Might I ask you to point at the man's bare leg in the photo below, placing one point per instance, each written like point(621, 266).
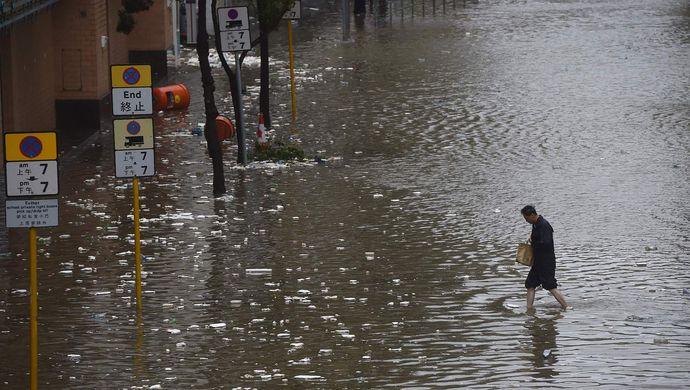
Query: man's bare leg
point(559, 297)
point(530, 299)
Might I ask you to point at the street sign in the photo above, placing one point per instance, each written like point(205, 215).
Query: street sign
point(134, 133)
point(31, 213)
point(235, 40)
point(130, 76)
point(233, 18)
point(30, 146)
point(295, 12)
point(135, 163)
point(132, 101)
point(31, 178)
point(234, 29)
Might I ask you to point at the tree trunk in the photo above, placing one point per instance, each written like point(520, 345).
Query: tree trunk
point(233, 83)
point(264, 100)
point(210, 132)
point(360, 7)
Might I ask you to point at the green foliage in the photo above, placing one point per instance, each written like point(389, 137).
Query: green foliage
point(271, 12)
point(125, 22)
point(134, 6)
point(277, 152)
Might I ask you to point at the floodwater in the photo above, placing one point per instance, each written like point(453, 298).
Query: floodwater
point(391, 264)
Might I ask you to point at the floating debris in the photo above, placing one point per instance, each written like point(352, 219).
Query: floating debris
point(217, 325)
point(309, 378)
point(259, 271)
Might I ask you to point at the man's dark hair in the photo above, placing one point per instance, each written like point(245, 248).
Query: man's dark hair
point(528, 210)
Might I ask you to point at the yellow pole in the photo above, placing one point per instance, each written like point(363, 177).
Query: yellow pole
point(137, 243)
point(292, 72)
point(33, 275)
point(138, 353)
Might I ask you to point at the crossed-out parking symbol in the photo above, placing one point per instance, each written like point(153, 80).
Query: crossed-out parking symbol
point(131, 75)
point(30, 146)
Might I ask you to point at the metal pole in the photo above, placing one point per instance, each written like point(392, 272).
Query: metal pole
point(423, 8)
point(412, 9)
point(292, 73)
point(345, 5)
point(444, 7)
point(137, 243)
point(372, 9)
point(33, 286)
point(176, 32)
point(240, 129)
point(390, 11)
point(402, 11)
point(433, 6)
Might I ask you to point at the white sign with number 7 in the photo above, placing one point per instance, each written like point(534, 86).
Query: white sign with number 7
point(238, 40)
point(135, 163)
point(295, 12)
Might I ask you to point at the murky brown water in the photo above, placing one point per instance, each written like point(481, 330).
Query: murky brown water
point(446, 128)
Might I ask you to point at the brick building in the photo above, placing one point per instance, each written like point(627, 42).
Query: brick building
point(55, 57)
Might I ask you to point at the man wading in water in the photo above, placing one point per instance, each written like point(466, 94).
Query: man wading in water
point(543, 271)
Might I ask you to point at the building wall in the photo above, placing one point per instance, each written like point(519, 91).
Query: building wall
point(27, 76)
point(117, 41)
point(55, 64)
point(80, 60)
point(153, 29)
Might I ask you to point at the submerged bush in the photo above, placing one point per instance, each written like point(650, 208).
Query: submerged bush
point(277, 152)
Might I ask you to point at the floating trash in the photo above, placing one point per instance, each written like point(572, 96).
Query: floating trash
point(309, 378)
point(259, 271)
point(217, 325)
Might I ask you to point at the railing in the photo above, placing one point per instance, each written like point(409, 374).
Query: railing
point(12, 11)
point(409, 9)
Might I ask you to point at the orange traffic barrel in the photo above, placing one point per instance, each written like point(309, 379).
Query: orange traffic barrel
point(224, 128)
point(171, 97)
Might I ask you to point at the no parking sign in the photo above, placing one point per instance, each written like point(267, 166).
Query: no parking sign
point(31, 170)
point(133, 98)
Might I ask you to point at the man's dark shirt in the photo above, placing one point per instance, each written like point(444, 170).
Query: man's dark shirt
point(542, 242)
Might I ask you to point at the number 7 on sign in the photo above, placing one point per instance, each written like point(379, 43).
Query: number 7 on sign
point(235, 40)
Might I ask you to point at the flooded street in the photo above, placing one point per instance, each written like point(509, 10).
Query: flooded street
point(391, 263)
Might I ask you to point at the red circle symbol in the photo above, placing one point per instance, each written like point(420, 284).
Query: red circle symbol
point(131, 75)
point(30, 146)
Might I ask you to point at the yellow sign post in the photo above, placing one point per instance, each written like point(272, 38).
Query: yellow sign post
point(133, 138)
point(137, 242)
point(294, 13)
point(31, 171)
point(292, 72)
point(33, 285)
